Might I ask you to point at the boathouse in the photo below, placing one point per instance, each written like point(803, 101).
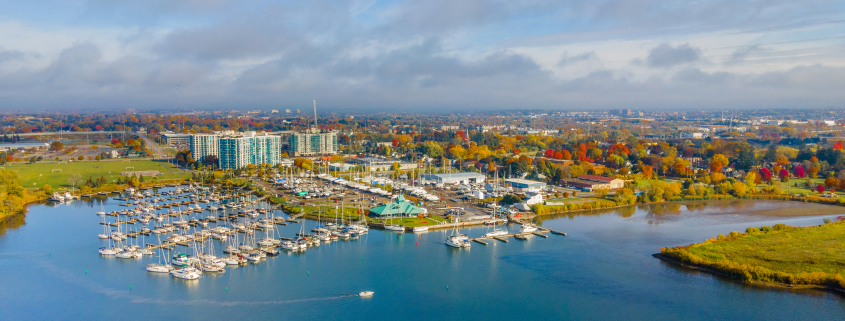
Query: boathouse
point(401, 207)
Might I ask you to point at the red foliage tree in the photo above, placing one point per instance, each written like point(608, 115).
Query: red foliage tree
point(765, 174)
point(820, 188)
point(549, 153)
point(783, 173)
point(838, 145)
point(558, 155)
point(566, 154)
point(395, 142)
point(798, 171)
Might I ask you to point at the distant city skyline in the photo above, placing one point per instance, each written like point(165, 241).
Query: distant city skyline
point(421, 56)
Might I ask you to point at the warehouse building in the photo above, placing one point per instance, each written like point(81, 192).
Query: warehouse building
point(595, 182)
point(455, 178)
point(524, 185)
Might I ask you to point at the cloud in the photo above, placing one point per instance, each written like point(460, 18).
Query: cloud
point(665, 56)
point(566, 60)
point(741, 53)
point(412, 55)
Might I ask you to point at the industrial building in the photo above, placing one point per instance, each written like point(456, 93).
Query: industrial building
point(455, 178)
point(524, 185)
point(595, 182)
point(176, 139)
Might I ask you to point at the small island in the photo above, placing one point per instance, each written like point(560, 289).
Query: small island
point(779, 255)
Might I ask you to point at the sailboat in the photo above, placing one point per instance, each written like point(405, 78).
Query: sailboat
point(457, 240)
point(105, 234)
point(102, 211)
point(158, 267)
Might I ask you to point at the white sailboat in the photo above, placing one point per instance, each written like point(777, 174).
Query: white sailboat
point(457, 240)
point(159, 267)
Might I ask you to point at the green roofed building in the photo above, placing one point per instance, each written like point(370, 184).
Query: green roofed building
point(401, 207)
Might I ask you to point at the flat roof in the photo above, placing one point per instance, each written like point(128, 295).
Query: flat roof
point(23, 145)
point(523, 181)
point(176, 135)
point(457, 175)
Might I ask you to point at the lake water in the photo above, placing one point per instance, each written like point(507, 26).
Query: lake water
point(50, 269)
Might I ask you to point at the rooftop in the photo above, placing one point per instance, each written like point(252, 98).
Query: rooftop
point(458, 175)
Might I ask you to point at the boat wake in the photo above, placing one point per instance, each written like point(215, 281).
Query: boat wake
point(125, 294)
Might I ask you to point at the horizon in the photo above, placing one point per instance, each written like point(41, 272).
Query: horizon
point(431, 57)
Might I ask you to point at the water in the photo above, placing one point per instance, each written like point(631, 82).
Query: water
point(602, 270)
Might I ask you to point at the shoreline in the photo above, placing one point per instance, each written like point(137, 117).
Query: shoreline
point(717, 272)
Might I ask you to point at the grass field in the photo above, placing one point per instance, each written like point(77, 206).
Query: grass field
point(38, 174)
point(412, 222)
point(816, 249)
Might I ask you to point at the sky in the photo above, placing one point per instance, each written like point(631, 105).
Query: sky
point(433, 55)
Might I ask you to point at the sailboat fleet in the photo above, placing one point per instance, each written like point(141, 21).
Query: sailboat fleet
point(178, 222)
point(176, 219)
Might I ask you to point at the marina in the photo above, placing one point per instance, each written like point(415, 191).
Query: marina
point(325, 281)
point(242, 227)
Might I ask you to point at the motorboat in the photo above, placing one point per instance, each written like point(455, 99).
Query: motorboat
point(187, 273)
point(527, 228)
point(128, 255)
point(496, 232)
point(159, 268)
point(108, 251)
point(420, 229)
point(366, 294)
point(290, 246)
point(57, 197)
point(395, 228)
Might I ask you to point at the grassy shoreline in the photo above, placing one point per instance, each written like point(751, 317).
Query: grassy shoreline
point(779, 256)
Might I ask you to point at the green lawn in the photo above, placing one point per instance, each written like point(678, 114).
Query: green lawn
point(562, 199)
point(38, 174)
point(413, 222)
point(815, 249)
point(327, 211)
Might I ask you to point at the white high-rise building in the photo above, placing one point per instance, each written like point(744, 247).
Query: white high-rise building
point(203, 145)
point(307, 144)
point(237, 150)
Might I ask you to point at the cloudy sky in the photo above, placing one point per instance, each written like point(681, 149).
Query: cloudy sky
point(432, 55)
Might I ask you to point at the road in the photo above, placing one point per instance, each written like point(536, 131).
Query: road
point(157, 151)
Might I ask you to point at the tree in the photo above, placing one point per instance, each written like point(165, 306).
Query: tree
point(831, 182)
point(74, 180)
point(814, 171)
point(718, 161)
point(771, 153)
point(784, 175)
point(57, 145)
point(81, 157)
point(625, 196)
point(47, 189)
point(716, 178)
point(211, 161)
point(765, 174)
point(798, 171)
point(745, 156)
point(510, 199)
point(820, 188)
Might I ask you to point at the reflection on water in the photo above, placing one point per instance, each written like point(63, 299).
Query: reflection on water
point(12, 221)
point(708, 212)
